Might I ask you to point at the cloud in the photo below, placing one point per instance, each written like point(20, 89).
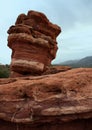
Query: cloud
point(69, 12)
point(73, 16)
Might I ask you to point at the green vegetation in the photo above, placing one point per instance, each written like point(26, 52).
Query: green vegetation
point(4, 71)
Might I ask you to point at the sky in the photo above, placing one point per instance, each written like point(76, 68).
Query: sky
point(73, 16)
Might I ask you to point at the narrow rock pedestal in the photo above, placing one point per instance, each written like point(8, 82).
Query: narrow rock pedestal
point(33, 43)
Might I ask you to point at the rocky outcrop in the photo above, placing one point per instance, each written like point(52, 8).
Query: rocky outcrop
point(52, 97)
point(54, 101)
point(53, 69)
point(33, 43)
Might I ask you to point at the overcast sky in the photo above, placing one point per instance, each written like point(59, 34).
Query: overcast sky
point(73, 16)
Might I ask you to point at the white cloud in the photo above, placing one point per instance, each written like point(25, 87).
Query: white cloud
point(73, 16)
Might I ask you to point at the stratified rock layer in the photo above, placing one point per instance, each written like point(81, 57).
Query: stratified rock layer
point(54, 102)
point(33, 43)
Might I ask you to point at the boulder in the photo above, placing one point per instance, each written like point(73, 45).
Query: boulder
point(54, 102)
point(33, 43)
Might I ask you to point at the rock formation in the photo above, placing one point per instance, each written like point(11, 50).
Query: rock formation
point(33, 43)
point(48, 99)
point(49, 102)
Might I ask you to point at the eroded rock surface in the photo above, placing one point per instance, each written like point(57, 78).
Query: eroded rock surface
point(53, 69)
point(54, 101)
point(33, 43)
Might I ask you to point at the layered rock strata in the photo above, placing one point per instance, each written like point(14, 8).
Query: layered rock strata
point(33, 43)
point(54, 102)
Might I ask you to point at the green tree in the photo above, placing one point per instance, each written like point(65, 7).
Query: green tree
point(4, 71)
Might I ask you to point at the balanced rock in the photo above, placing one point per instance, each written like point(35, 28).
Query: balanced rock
point(33, 43)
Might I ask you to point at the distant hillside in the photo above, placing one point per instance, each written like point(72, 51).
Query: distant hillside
point(69, 62)
point(85, 62)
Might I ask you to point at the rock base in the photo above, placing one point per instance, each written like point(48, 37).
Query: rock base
point(61, 101)
point(73, 125)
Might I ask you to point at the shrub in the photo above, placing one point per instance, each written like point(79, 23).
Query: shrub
point(4, 71)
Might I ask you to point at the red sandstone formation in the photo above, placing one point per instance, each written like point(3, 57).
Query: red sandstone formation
point(54, 100)
point(56, 69)
point(33, 43)
point(48, 102)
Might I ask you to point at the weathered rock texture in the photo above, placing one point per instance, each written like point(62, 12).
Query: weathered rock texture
point(53, 69)
point(33, 43)
point(54, 102)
